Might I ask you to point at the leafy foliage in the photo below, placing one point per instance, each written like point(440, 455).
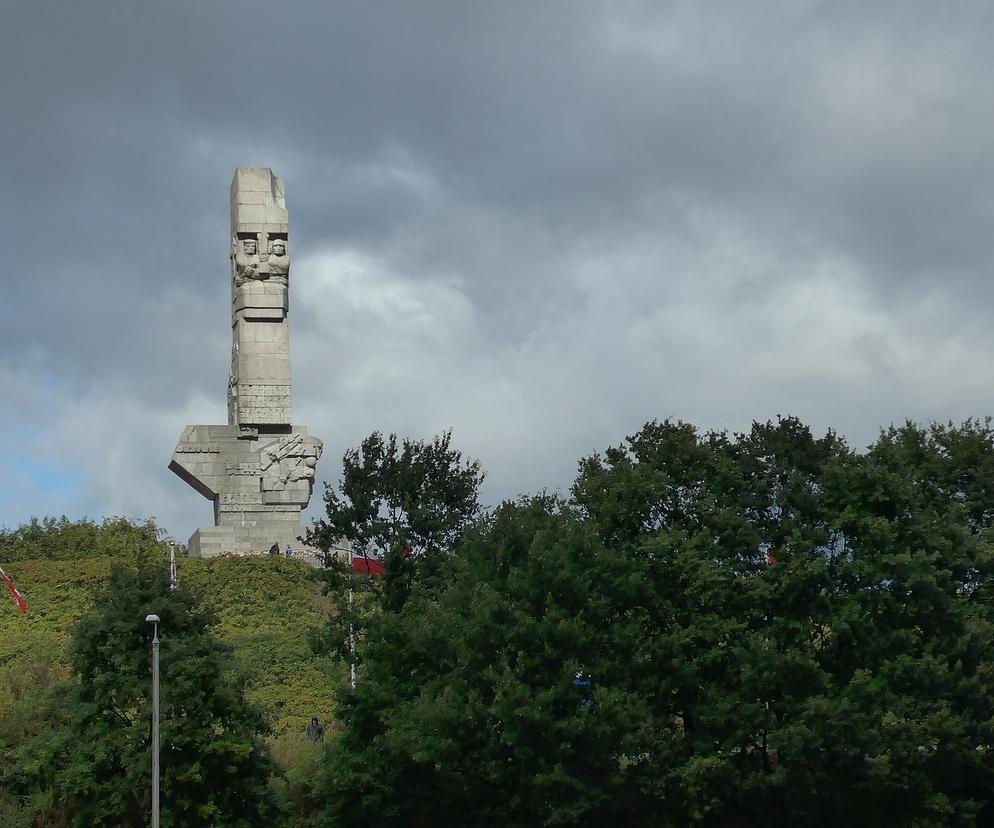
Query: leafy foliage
point(269, 610)
point(407, 502)
point(774, 629)
point(95, 761)
point(397, 498)
point(266, 609)
point(468, 711)
point(62, 539)
point(716, 630)
point(815, 619)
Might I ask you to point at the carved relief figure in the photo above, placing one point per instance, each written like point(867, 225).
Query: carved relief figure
point(279, 260)
point(232, 397)
point(233, 384)
point(245, 253)
point(252, 263)
point(289, 460)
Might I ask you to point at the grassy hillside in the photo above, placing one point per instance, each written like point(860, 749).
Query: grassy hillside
point(266, 608)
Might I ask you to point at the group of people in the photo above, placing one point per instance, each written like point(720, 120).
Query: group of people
point(275, 549)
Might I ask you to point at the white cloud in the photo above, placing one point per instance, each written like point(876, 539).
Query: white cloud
point(694, 211)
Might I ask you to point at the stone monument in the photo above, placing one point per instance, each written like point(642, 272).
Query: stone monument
point(258, 470)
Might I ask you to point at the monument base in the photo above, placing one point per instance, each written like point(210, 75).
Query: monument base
point(212, 541)
point(259, 480)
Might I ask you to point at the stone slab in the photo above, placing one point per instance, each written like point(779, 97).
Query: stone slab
point(256, 314)
point(269, 299)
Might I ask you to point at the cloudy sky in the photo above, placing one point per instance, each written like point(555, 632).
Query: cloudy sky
point(539, 224)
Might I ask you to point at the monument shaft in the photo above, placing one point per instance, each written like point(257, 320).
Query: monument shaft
point(259, 387)
point(259, 468)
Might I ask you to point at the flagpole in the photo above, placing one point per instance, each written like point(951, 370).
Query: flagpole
point(154, 619)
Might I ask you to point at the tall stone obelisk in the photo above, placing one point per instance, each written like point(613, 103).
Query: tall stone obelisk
point(259, 468)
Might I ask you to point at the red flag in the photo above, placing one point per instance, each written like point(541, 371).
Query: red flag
point(22, 605)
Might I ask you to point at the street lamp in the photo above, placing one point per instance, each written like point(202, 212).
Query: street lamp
point(154, 619)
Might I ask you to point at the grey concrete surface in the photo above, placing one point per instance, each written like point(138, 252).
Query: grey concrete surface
point(258, 470)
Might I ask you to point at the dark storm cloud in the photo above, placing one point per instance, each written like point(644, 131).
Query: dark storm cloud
point(541, 224)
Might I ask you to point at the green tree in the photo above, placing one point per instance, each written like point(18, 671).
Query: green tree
point(776, 630)
point(403, 502)
point(93, 765)
point(470, 710)
point(406, 502)
point(814, 619)
point(64, 539)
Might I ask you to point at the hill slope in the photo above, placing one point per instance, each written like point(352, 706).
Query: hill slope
point(267, 608)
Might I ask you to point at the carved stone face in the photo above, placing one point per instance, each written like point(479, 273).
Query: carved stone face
point(279, 247)
point(249, 247)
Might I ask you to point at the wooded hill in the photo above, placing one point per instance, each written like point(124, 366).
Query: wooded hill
point(267, 610)
point(711, 629)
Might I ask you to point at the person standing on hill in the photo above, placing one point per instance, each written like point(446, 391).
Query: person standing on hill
point(315, 731)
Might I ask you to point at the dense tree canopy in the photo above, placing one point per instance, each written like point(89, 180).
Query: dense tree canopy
point(467, 711)
point(712, 629)
point(765, 628)
point(64, 539)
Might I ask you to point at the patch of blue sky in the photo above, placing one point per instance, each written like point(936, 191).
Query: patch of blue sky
point(29, 486)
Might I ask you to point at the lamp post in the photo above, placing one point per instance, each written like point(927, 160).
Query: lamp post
point(154, 619)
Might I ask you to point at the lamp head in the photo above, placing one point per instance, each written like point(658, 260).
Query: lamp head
point(152, 618)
